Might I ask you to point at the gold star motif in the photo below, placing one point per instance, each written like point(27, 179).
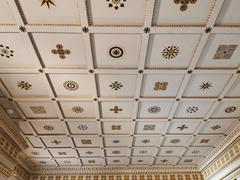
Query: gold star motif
point(48, 3)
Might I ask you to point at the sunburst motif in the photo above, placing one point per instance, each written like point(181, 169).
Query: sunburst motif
point(205, 85)
point(170, 52)
point(48, 3)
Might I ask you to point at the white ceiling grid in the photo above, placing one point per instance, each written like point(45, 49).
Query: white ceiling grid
point(126, 82)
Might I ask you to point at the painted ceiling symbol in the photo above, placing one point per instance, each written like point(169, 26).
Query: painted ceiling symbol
point(204, 140)
point(116, 85)
point(24, 85)
point(116, 3)
point(35, 153)
point(154, 109)
point(175, 141)
point(116, 52)
point(149, 127)
point(230, 109)
point(48, 128)
point(77, 109)
point(143, 152)
point(195, 152)
point(116, 141)
point(56, 142)
point(115, 109)
point(70, 85)
point(184, 3)
point(116, 161)
point(139, 160)
point(170, 52)
point(89, 152)
point(160, 86)
point(188, 160)
point(169, 152)
point(164, 160)
point(86, 141)
point(82, 127)
point(5, 51)
point(182, 127)
point(215, 127)
point(145, 141)
point(225, 51)
point(205, 85)
point(38, 109)
point(61, 51)
point(192, 109)
point(62, 153)
point(116, 127)
point(116, 152)
point(48, 3)
point(91, 161)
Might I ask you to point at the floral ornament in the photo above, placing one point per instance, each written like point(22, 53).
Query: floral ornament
point(205, 85)
point(192, 109)
point(116, 85)
point(116, 3)
point(60, 51)
point(170, 52)
point(5, 51)
point(24, 85)
point(184, 3)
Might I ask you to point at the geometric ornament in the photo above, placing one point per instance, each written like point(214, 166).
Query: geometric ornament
point(24, 85)
point(160, 86)
point(60, 51)
point(116, 3)
point(184, 3)
point(192, 109)
point(224, 51)
point(70, 85)
point(5, 51)
point(170, 52)
point(48, 3)
point(182, 127)
point(116, 52)
point(230, 109)
point(116, 85)
point(38, 109)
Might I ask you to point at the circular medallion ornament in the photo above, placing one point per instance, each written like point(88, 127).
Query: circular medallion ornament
point(230, 109)
point(48, 128)
point(116, 52)
point(70, 85)
point(154, 109)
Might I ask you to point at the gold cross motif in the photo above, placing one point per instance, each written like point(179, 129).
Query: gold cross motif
point(115, 109)
point(182, 127)
point(56, 142)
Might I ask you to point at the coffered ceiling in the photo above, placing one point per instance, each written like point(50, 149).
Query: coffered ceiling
point(120, 82)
